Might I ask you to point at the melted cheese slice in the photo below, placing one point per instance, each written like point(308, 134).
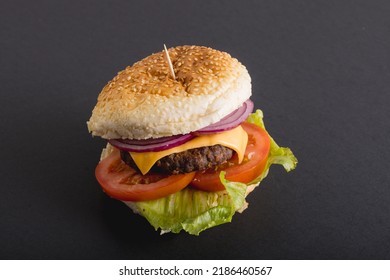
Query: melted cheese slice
point(235, 139)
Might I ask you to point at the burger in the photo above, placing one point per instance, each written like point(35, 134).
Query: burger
point(184, 143)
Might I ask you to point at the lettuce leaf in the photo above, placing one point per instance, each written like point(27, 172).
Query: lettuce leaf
point(194, 210)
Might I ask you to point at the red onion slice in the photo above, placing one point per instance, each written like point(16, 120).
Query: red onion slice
point(147, 142)
point(150, 145)
point(231, 121)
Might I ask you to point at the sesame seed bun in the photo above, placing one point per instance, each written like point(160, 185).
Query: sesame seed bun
point(144, 101)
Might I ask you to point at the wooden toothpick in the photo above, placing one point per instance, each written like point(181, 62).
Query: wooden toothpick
point(169, 62)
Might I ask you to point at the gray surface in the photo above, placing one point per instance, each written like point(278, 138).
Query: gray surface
point(320, 72)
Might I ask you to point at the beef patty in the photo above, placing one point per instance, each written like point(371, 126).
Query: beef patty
point(188, 161)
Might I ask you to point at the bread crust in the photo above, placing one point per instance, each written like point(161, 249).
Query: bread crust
point(144, 101)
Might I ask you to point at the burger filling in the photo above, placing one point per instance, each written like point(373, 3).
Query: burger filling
point(187, 161)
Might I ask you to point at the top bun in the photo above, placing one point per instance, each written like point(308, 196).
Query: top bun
point(144, 101)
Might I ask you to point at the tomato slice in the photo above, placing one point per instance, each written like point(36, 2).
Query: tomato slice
point(122, 182)
point(250, 168)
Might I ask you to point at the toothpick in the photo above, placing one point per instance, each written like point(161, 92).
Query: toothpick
point(169, 63)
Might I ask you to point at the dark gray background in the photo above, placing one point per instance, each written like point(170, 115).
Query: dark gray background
point(321, 74)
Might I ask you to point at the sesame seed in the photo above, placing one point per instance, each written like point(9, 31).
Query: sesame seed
point(199, 70)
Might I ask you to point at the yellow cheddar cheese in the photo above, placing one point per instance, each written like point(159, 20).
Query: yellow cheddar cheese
point(235, 139)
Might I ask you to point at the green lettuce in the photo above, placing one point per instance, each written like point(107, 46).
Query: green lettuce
point(194, 210)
